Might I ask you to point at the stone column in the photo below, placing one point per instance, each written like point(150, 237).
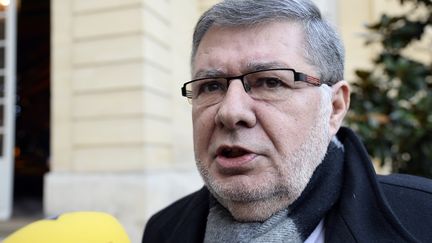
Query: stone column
point(121, 133)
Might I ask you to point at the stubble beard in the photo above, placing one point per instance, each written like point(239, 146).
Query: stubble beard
point(258, 202)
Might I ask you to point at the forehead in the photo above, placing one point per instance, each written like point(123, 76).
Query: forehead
point(234, 50)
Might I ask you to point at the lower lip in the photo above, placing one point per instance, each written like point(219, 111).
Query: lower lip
point(236, 162)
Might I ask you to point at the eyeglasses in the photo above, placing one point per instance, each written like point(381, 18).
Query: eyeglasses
point(270, 85)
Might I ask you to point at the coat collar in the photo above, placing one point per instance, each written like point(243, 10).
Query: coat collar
point(362, 213)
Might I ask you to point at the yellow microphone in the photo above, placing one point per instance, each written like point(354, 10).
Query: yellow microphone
point(77, 227)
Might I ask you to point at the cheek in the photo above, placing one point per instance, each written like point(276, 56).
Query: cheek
point(287, 125)
point(203, 125)
point(286, 131)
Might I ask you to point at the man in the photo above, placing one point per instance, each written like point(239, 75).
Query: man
point(268, 100)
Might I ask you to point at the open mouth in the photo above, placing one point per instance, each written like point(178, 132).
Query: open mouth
point(233, 159)
point(231, 152)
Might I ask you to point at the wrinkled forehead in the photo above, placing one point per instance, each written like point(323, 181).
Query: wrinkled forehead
point(278, 44)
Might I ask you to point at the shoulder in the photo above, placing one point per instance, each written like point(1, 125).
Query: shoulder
point(407, 193)
point(407, 184)
point(410, 198)
point(178, 217)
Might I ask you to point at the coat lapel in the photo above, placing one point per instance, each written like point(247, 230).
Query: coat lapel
point(193, 220)
point(362, 213)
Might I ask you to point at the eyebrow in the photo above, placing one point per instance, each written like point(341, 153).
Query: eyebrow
point(207, 73)
point(257, 66)
point(250, 67)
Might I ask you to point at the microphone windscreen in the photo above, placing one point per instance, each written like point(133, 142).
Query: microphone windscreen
point(77, 227)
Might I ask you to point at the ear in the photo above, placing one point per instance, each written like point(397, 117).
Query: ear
point(340, 104)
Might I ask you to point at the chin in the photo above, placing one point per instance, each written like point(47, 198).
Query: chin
point(248, 203)
point(255, 211)
point(243, 188)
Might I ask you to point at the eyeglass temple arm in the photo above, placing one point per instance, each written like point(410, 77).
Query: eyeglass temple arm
point(183, 91)
point(306, 78)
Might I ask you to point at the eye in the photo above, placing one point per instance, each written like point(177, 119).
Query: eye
point(269, 82)
point(211, 86)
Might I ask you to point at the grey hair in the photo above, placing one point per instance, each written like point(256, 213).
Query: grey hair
point(323, 48)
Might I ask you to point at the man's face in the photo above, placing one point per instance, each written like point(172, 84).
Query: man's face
point(250, 151)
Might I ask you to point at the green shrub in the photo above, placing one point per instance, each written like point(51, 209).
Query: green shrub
point(391, 104)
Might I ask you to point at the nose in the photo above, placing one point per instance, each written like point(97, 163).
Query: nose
point(236, 108)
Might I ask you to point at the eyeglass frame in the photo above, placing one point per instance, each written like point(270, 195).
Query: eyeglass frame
point(298, 76)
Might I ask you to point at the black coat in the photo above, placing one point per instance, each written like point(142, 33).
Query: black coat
point(371, 208)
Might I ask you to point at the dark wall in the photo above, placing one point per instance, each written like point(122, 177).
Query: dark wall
point(33, 98)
